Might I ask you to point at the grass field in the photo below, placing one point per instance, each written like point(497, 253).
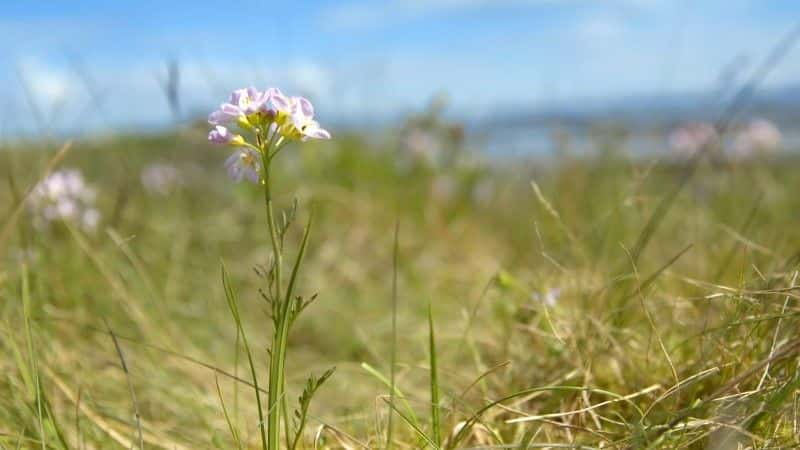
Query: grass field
point(561, 318)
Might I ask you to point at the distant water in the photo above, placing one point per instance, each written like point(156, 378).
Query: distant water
point(543, 141)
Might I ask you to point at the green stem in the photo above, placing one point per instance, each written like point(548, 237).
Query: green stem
point(278, 349)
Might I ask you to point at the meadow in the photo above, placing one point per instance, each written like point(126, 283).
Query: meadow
point(601, 301)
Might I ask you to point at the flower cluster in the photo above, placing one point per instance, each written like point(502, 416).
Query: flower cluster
point(429, 140)
point(64, 196)
point(272, 117)
point(756, 136)
point(759, 135)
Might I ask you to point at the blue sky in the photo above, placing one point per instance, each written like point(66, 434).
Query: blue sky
point(360, 58)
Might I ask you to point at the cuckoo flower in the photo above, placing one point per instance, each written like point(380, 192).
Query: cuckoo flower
point(265, 113)
point(692, 137)
point(269, 120)
point(242, 103)
point(247, 100)
point(548, 297)
point(244, 164)
point(760, 135)
point(64, 196)
point(222, 135)
point(274, 102)
point(160, 178)
point(300, 124)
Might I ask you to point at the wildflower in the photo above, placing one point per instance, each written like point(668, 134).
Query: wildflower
point(160, 178)
point(301, 124)
point(221, 135)
point(549, 297)
point(242, 103)
point(691, 138)
point(244, 163)
point(759, 135)
point(274, 102)
point(64, 196)
point(248, 100)
point(90, 219)
point(224, 115)
point(422, 146)
point(272, 117)
point(274, 120)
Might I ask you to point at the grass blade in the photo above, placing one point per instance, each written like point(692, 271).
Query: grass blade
point(136, 415)
point(436, 421)
point(397, 392)
point(415, 427)
point(32, 357)
point(230, 296)
point(231, 426)
point(393, 349)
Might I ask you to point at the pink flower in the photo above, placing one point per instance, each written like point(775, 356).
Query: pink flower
point(274, 102)
point(244, 163)
point(301, 124)
point(242, 102)
point(759, 135)
point(691, 138)
point(64, 196)
point(222, 135)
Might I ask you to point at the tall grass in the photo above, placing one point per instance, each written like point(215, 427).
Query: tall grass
point(699, 350)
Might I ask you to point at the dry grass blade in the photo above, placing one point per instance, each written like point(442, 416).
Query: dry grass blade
point(12, 218)
point(628, 397)
point(393, 350)
point(104, 425)
point(682, 385)
point(136, 415)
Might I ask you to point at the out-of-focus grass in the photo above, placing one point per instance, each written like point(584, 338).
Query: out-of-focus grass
point(695, 349)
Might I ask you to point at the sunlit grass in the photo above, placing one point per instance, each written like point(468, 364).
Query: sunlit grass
point(692, 345)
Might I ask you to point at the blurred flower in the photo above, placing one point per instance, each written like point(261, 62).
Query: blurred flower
point(483, 192)
point(760, 135)
point(159, 178)
point(691, 138)
point(27, 255)
point(90, 219)
point(444, 188)
point(244, 163)
point(422, 146)
point(430, 140)
point(64, 196)
point(549, 297)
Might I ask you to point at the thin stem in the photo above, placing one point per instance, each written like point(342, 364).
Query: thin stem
point(278, 343)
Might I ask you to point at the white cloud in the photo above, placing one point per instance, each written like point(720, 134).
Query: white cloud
point(48, 86)
point(364, 14)
point(600, 28)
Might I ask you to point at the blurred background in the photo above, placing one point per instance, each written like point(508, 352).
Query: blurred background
point(510, 71)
